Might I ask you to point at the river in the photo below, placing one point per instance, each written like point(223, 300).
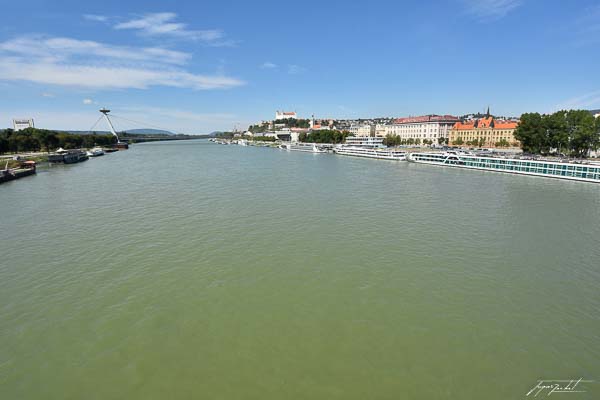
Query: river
point(193, 270)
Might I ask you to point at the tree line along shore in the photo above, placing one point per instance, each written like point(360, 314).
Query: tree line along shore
point(37, 140)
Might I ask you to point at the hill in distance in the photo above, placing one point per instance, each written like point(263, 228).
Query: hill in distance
point(145, 131)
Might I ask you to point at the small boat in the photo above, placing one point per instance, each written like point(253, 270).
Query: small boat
point(25, 169)
point(95, 152)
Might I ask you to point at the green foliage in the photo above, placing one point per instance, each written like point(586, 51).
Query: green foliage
point(324, 136)
point(502, 143)
point(225, 135)
point(458, 142)
point(476, 142)
point(259, 128)
point(532, 134)
point(392, 140)
point(582, 133)
point(573, 132)
point(33, 139)
point(294, 123)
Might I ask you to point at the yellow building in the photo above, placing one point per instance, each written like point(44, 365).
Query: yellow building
point(488, 132)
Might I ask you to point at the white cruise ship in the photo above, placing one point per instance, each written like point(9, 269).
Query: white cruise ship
point(306, 147)
point(364, 141)
point(573, 170)
point(380, 153)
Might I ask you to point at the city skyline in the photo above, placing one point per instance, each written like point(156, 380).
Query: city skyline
point(197, 69)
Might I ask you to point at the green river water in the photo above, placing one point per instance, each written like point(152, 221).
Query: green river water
point(190, 270)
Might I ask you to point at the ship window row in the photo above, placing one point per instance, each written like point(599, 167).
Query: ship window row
point(547, 169)
point(578, 171)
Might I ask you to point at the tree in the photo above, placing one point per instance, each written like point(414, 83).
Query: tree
point(392, 140)
point(532, 134)
point(326, 136)
point(458, 141)
point(582, 132)
point(46, 138)
point(502, 143)
point(556, 131)
point(3, 144)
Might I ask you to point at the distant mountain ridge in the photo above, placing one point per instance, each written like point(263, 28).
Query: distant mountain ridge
point(144, 131)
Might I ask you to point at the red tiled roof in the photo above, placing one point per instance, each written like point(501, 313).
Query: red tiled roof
point(464, 126)
point(485, 122)
point(505, 124)
point(425, 118)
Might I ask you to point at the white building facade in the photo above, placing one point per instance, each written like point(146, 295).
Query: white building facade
point(364, 141)
point(362, 130)
point(20, 124)
point(429, 127)
point(285, 115)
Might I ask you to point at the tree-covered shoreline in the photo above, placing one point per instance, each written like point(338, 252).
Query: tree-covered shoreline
point(324, 136)
point(34, 139)
point(571, 133)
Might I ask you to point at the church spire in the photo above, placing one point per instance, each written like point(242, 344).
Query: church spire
point(488, 112)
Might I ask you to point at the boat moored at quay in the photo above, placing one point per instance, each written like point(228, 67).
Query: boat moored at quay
point(95, 152)
point(306, 147)
point(379, 153)
point(63, 156)
point(576, 170)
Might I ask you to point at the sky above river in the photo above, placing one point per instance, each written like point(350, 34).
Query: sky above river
point(195, 67)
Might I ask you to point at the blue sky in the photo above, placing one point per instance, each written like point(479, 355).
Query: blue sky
point(201, 66)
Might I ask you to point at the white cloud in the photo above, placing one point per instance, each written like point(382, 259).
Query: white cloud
point(163, 24)
point(295, 69)
point(100, 77)
point(72, 62)
point(88, 101)
point(96, 18)
point(585, 101)
point(490, 9)
point(60, 48)
point(268, 65)
point(45, 94)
